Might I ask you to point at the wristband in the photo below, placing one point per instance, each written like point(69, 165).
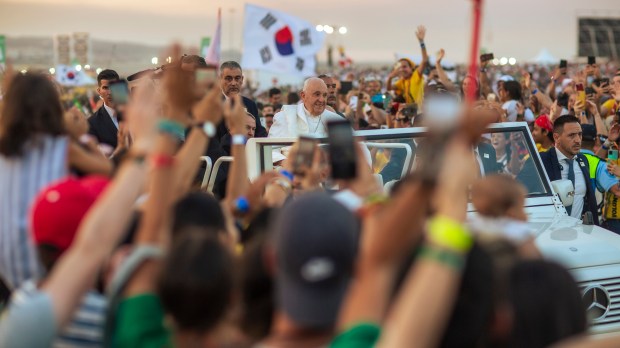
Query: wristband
point(287, 174)
point(446, 257)
point(239, 139)
point(376, 198)
point(422, 45)
point(449, 234)
point(173, 128)
point(534, 91)
point(242, 205)
point(162, 161)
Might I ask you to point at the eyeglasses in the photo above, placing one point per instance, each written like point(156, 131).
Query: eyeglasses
point(402, 119)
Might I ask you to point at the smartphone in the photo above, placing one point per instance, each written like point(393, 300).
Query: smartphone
point(345, 87)
point(486, 57)
point(563, 66)
point(581, 92)
point(612, 155)
point(353, 101)
point(120, 92)
point(377, 100)
point(206, 75)
point(591, 60)
point(305, 154)
point(342, 155)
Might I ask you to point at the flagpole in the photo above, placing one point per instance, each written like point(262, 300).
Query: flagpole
point(475, 47)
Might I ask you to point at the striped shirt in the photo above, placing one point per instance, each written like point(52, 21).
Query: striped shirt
point(21, 178)
point(30, 310)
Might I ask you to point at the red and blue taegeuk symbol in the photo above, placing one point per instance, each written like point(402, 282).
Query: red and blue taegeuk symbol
point(284, 41)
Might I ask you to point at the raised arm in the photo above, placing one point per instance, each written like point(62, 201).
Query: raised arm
point(105, 223)
point(420, 34)
point(442, 74)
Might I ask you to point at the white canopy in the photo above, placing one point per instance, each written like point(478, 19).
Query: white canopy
point(544, 57)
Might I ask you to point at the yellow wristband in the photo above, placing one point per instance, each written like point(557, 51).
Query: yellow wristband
point(450, 234)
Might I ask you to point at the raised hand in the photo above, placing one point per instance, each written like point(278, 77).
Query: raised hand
point(440, 56)
point(421, 33)
point(235, 115)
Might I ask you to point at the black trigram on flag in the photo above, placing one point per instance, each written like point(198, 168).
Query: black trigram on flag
point(300, 64)
point(265, 54)
point(304, 37)
point(268, 21)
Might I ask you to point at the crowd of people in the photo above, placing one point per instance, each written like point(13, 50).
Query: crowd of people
point(106, 238)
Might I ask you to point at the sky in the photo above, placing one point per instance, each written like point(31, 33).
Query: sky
point(376, 29)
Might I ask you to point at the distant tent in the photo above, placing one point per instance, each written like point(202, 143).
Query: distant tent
point(545, 57)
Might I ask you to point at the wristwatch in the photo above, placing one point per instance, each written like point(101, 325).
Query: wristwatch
point(208, 128)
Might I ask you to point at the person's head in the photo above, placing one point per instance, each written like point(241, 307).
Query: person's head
point(372, 85)
point(588, 136)
point(75, 123)
point(292, 98)
point(275, 96)
point(405, 68)
point(231, 78)
point(199, 210)
point(500, 141)
point(405, 114)
point(57, 212)
point(498, 196)
point(250, 125)
point(268, 121)
point(546, 304)
point(467, 83)
point(314, 95)
point(567, 135)
point(195, 283)
point(472, 311)
point(267, 109)
point(104, 79)
point(615, 83)
point(192, 62)
point(314, 259)
point(332, 96)
point(31, 107)
point(542, 132)
point(510, 90)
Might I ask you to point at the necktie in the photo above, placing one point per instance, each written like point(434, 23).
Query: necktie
point(571, 177)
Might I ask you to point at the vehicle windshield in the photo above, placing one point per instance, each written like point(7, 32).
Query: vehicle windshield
point(506, 150)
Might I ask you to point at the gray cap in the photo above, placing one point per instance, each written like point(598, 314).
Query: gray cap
point(315, 244)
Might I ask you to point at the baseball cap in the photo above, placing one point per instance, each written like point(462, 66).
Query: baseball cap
point(588, 132)
point(59, 208)
point(315, 244)
point(544, 122)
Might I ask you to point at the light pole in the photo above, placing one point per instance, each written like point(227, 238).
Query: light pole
point(331, 29)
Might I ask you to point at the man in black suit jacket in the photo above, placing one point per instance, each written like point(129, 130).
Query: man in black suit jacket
point(485, 154)
point(103, 124)
point(231, 79)
point(567, 136)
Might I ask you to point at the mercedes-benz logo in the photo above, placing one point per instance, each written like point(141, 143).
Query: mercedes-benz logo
point(597, 302)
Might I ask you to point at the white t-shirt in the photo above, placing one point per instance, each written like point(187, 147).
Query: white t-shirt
point(511, 110)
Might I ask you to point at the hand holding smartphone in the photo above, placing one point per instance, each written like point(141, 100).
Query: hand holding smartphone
point(342, 153)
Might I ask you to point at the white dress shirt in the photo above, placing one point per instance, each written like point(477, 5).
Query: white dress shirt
point(580, 183)
point(112, 114)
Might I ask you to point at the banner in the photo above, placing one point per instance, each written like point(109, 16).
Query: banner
point(213, 54)
point(2, 51)
point(278, 42)
point(205, 42)
point(68, 76)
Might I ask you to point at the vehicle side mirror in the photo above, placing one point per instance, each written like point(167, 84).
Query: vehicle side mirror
point(566, 191)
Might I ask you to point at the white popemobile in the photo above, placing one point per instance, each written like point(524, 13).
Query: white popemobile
point(591, 253)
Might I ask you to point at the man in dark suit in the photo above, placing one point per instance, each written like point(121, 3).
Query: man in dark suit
point(231, 80)
point(103, 124)
point(487, 159)
point(565, 162)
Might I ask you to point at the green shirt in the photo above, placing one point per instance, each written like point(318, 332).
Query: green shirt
point(362, 335)
point(140, 323)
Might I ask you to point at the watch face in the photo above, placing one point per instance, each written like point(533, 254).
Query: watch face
point(209, 129)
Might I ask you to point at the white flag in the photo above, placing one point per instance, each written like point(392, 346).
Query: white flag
point(278, 42)
point(68, 76)
point(213, 54)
